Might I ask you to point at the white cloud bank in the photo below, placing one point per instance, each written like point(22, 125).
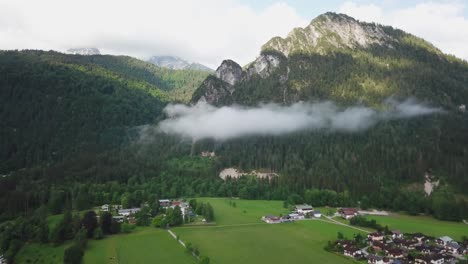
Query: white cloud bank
point(206, 31)
point(442, 23)
point(205, 121)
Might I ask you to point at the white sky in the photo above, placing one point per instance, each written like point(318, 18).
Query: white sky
point(205, 31)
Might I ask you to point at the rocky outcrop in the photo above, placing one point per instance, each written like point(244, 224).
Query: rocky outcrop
point(229, 75)
point(328, 32)
point(229, 71)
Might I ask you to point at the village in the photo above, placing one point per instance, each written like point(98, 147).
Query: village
point(382, 247)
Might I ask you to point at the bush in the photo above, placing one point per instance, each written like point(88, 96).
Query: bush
point(127, 228)
point(73, 254)
point(98, 234)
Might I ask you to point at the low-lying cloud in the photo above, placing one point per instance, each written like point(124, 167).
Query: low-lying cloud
point(204, 121)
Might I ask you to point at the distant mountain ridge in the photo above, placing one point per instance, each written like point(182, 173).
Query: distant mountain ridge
point(84, 51)
point(176, 63)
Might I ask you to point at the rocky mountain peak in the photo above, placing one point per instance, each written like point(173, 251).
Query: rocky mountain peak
point(229, 71)
point(176, 63)
point(330, 31)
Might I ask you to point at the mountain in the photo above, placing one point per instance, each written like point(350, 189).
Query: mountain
point(339, 58)
point(176, 63)
point(56, 105)
point(84, 51)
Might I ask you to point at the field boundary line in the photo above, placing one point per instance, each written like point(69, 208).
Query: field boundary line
point(216, 226)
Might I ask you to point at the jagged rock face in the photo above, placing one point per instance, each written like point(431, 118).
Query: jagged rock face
point(211, 91)
point(330, 31)
point(229, 72)
point(264, 65)
point(84, 51)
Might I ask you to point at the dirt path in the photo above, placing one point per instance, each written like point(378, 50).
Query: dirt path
point(331, 220)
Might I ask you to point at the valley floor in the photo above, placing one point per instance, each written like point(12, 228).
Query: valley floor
point(239, 236)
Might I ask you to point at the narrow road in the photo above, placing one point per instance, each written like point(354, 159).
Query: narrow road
point(331, 220)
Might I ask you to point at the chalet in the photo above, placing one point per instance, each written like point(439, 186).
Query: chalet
point(452, 247)
point(425, 249)
point(395, 253)
point(444, 240)
point(348, 213)
point(271, 219)
point(397, 234)
point(317, 214)
point(374, 259)
point(164, 203)
point(127, 212)
point(376, 236)
point(352, 251)
point(345, 243)
point(429, 259)
point(105, 208)
point(304, 209)
point(377, 245)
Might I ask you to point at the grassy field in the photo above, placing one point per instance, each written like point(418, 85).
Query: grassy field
point(423, 224)
point(144, 245)
point(241, 237)
point(41, 254)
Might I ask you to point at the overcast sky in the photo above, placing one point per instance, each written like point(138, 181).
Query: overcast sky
point(209, 31)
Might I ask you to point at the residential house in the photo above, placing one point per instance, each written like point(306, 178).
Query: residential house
point(374, 259)
point(348, 213)
point(2, 260)
point(127, 212)
point(352, 251)
point(462, 251)
point(376, 236)
point(420, 237)
point(396, 234)
point(296, 216)
point(395, 253)
point(448, 258)
point(271, 219)
point(377, 245)
point(444, 240)
point(304, 209)
point(105, 208)
point(118, 218)
point(164, 203)
point(452, 247)
point(430, 259)
point(345, 243)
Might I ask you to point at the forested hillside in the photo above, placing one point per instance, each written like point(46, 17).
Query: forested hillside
point(54, 105)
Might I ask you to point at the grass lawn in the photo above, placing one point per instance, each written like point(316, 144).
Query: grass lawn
point(143, 245)
point(424, 224)
point(38, 253)
point(241, 237)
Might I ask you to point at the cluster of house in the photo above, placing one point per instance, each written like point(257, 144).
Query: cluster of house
point(300, 212)
point(123, 214)
point(406, 248)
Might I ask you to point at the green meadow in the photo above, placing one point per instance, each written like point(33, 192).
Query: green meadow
point(144, 245)
point(424, 224)
point(241, 237)
point(41, 254)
